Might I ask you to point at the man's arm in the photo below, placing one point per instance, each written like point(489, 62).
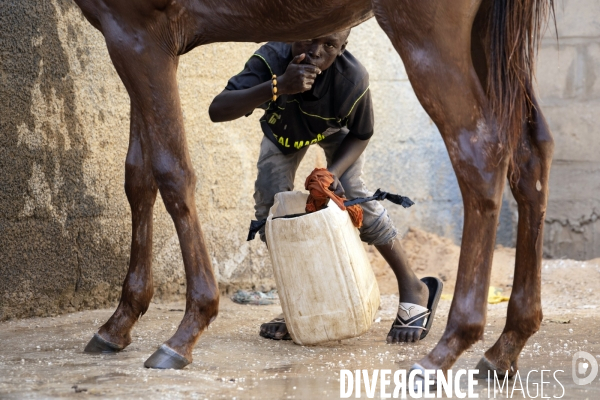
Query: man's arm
point(360, 125)
point(350, 149)
point(233, 104)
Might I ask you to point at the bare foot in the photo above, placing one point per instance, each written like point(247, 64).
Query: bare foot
point(275, 329)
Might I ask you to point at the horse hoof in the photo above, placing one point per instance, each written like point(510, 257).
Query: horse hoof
point(166, 358)
point(99, 345)
point(419, 380)
point(487, 370)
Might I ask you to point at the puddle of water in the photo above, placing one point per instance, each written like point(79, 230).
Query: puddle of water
point(232, 361)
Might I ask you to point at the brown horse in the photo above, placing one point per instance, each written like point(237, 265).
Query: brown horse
point(470, 63)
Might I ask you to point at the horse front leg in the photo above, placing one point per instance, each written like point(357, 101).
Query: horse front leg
point(524, 314)
point(176, 180)
point(434, 40)
point(140, 188)
point(147, 65)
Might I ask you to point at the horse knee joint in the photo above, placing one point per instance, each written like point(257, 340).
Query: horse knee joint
point(175, 179)
point(491, 204)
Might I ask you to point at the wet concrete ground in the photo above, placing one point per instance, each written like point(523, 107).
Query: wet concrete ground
point(43, 357)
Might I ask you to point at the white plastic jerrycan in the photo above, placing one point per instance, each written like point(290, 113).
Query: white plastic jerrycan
point(327, 288)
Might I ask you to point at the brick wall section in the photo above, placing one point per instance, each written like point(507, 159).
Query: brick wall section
point(407, 155)
point(569, 87)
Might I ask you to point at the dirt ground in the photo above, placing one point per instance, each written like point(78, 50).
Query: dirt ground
point(43, 357)
point(431, 255)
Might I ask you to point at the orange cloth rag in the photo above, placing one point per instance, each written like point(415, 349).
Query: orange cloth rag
point(317, 183)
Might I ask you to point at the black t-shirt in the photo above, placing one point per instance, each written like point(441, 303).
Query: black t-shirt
point(340, 97)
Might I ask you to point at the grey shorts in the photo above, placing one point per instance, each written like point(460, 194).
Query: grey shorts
point(276, 173)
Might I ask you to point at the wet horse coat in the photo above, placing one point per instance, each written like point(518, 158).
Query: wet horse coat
point(470, 63)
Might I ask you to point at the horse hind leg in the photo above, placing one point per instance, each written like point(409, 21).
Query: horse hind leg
point(436, 54)
point(138, 289)
point(524, 314)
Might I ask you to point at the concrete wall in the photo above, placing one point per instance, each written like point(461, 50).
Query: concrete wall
point(65, 220)
point(64, 121)
point(408, 156)
point(569, 86)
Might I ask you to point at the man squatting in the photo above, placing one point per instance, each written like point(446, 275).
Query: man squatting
point(323, 98)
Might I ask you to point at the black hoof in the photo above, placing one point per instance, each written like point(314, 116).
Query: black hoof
point(485, 366)
point(166, 358)
point(99, 345)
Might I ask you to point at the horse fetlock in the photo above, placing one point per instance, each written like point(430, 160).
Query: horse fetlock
point(206, 306)
point(530, 326)
point(466, 334)
point(136, 299)
point(139, 308)
point(507, 349)
point(118, 327)
point(523, 323)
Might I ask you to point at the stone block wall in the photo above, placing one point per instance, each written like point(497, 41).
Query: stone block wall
point(408, 156)
point(569, 87)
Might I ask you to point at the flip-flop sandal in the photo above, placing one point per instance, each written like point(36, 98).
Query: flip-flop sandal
point(278, 320)
point(414, 316)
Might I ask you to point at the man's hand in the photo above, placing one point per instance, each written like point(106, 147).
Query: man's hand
point(298, 77)
point(336, 187)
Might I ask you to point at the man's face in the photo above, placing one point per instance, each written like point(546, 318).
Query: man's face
point(323, 51)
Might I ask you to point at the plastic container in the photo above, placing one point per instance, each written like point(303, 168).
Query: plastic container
point(327, 288)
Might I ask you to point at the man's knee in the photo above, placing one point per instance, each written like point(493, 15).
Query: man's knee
point(378, 230)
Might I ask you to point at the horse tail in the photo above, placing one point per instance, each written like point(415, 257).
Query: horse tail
point(515, 29)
